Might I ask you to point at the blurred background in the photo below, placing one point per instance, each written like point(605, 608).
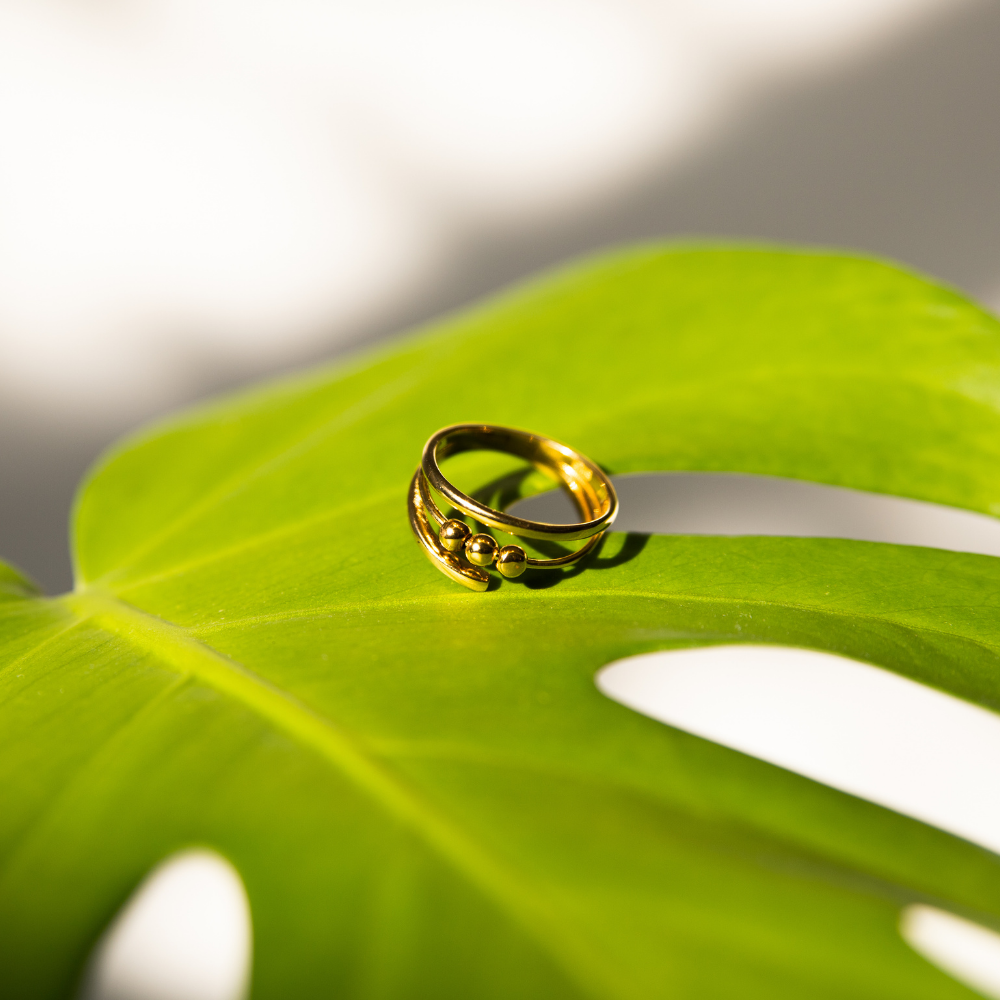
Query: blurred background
point(197, 194)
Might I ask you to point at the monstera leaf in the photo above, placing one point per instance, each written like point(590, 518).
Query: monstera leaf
point(423, 790)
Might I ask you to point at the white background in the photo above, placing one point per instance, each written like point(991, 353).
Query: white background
point(197, 193)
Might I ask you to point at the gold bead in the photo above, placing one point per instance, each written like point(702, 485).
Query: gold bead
point(481, 550)
point(512, 561)
point(453, 535)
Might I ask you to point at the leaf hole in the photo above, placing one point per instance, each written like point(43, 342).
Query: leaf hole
point(185, 934)
point(731, 503)
point(855, 727)
point(965, 950)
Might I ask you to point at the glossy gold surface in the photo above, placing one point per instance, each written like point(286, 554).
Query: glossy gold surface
point(589, 488)
point(512, 561)
point(481, 550)
point(454, 534)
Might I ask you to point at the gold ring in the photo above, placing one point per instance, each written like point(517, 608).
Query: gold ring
point(588, 487)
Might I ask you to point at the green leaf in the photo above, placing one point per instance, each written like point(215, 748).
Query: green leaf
point(423, 790)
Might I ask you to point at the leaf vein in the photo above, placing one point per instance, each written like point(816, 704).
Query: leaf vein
point(183, 651)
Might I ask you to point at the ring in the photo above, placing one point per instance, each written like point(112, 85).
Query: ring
point(590, 489)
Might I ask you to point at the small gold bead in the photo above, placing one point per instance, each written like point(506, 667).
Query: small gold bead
point(481, 550)
point(512, 561)
point(453, 534)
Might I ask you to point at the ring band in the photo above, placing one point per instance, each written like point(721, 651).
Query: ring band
point(590, 489)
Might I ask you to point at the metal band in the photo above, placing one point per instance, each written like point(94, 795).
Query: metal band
point(581, 477)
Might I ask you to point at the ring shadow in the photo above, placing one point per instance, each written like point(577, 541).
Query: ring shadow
point(501, 492)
